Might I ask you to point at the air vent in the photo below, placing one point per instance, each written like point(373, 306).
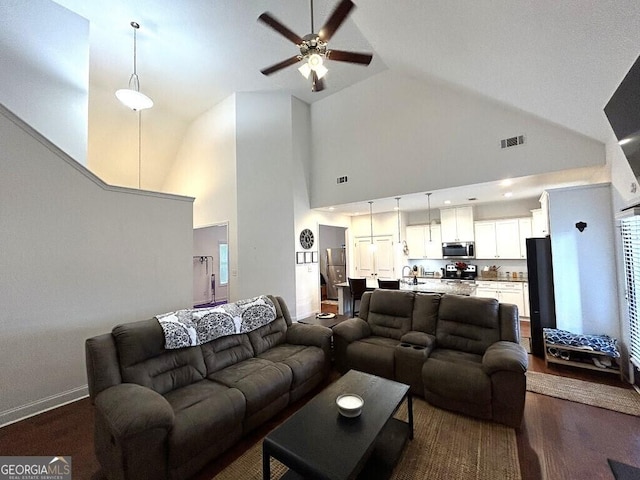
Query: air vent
point(512, 141)
point(342, 179)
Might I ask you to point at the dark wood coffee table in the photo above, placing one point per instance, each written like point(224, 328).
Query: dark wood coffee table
point(317, 442)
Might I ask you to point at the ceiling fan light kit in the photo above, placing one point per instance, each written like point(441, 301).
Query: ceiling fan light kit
point(132, 97)
point(314, 47)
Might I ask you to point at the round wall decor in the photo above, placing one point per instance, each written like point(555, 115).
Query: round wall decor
point(306, 239)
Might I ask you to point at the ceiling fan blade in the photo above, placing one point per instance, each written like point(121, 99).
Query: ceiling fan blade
point(351, 57)
point(336, 18)
point(280, 66)
point(272, 22)
point(317, 84)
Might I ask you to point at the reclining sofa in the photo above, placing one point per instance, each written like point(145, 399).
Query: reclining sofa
point(461, 353)
point(164, 413)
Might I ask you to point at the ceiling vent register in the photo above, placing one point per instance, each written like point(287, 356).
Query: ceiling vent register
point(512, 141)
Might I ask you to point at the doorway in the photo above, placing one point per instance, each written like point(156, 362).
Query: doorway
point(210, 265)
point(333, 265)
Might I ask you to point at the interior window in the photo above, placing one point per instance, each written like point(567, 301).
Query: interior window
point(224, 263)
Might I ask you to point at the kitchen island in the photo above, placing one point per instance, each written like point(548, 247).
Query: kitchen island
point(458, 287)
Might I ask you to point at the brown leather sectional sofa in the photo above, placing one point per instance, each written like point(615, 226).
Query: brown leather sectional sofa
point(460, 353)
point(164, 414)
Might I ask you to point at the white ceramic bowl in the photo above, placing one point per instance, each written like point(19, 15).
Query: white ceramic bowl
point(350, 405)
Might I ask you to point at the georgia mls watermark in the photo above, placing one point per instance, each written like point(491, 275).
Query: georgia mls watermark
point(35, 468)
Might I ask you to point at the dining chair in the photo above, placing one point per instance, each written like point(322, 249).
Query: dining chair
point(358, 286)
point(389, 284)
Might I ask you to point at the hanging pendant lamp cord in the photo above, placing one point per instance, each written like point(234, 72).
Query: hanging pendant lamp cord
point(312, 31)
point(139, 150)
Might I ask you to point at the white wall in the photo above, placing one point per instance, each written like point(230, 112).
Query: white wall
point(426, 136)
point(265, 181)
point(77, 258)
point(205, 168)
point(584, 275)
point(44, 71)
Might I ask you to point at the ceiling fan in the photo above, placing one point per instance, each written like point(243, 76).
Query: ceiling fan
point(314, 46)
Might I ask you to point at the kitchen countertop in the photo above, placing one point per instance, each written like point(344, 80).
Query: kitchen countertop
point(477, 279)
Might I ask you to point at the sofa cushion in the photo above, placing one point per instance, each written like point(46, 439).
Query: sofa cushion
point(260, 381)
point(206, 414)
point(458, 376)
point(468, 324)
point(144, 360)
point(225, 351)
point(268, 336)
point(373, 355)
point(304, 362)
point(390, 313)
point(425, 312)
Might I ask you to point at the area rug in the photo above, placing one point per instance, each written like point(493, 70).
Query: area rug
point(604, 396)
point(445, 446)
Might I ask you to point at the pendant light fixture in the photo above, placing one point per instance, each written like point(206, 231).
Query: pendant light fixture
point(402, 246)
point(429, 215)
point(132, 97)
point(398, 214)
point(372, 246)
point(315, 56)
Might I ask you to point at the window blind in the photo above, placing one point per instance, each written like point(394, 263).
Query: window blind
point(630, 228)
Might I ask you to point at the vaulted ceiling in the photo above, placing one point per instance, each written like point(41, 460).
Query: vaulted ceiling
point(559, 60)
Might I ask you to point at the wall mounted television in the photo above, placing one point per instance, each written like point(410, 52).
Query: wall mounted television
point(623, 113)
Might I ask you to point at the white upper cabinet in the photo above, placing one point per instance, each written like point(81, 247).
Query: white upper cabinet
point(504, 239)
point(457, 224)
point(419, 243)
point(539, 223)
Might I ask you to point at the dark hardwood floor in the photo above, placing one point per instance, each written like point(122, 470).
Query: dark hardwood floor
point(559, 440)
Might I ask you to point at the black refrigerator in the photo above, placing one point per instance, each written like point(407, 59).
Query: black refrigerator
point(542, 303)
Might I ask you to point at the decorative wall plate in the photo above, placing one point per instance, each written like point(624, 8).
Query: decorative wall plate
point(306, 239)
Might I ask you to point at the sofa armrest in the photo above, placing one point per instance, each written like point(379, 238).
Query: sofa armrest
point(352, 330)
point(419, 338)
point(131, 409)
point(313, 335)
point(503, 356)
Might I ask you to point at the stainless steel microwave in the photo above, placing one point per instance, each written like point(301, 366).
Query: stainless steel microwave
point(458, 250)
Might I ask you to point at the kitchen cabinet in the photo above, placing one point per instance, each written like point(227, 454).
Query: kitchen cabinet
point(524, 228)
point(457, 224)
point(417, 237)
point(505, 292)
point(377, 262)
point(501, 238)
point(539, 223)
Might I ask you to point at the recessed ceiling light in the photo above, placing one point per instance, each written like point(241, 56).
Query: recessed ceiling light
point(332, 208)
point(507, 194)
point(507, 182)
point(447, 202)
point(624, 141)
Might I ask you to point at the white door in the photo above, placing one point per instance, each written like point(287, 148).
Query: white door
point(524, 225)
point(383, 258)
point(364, 258)
point(464, 223)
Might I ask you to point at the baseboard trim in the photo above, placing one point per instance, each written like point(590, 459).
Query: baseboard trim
point(31, 409)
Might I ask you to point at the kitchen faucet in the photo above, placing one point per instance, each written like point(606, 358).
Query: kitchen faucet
point(410, 270)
